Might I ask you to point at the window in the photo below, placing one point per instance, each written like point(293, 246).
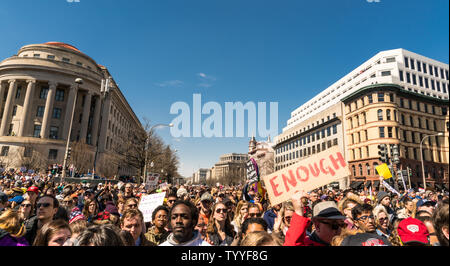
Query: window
point(400, 74)
point(335, 142)
point(79, 63)
point(381, 129)
point(65, 59)
point(385, 73)
point(53, 133)
point(37, 131)
point(411, 121)
point(59, 96)
point(19, 90)
point(406, 62)
point(403, 119)
point(5, 150)
point(334, 129)
point(388, 114)
point(395, 115)
point(438, 86)
point(353, 169)
point(436, 72)
point(446, 74)
point(360, 170)
point(390, 132)
point(44, 92)
point(430, 67)
point(424, 67)
point(37, 55)
point(408, 77)
point(368, 168)
point(380, 115)
point(14, 111)
point(51, 57)
point(28, 152)
point(57, 113)
point(370, 98)
point(380, 97)
point(420, 81)
point(391, 97)
point(40, 111)
point(414, 79)
point(328, 131)
point(52, 154)
point(402, 103)
point(390, 59)
point(432, 84)
point(419, 66)
point(442, 73)
point(412, 63)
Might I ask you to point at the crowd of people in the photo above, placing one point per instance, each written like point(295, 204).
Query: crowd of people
point(37, 211)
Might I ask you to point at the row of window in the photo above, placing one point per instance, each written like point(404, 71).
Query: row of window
point(423, 82)
point(306, 152)
point(381, 97)
point(63, 59)
point(308, 127)
point(52, 153)
point(411, 63)
point(325, 132)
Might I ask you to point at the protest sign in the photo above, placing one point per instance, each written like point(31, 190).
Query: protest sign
point(152, 180)
point(308, 174)
point(163, 185)
point(252, 171)
point(149, 203)
point(383, 170)
point(391, 189)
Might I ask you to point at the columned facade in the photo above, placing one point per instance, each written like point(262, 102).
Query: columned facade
point(39, 97)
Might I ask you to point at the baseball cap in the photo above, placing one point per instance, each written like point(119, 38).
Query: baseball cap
point(18, 199)
point(33, 189)
point(206, 196)
point(181, 192)
point(381, 195)
point(328, 210)
point(365, 240)
point(411, 230)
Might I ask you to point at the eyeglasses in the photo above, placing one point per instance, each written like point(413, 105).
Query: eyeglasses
point(253, 215)
point(335, 226)
point(25, 205)
point(288, 218)
point(221, 210)
point(382, 219)
point(365, 217)
point(67, 201)
point(132, 205)
point(45, 205)
point(171, 201)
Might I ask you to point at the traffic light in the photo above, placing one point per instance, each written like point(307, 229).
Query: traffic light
point(395, 154)
point(383, 152)
point(69, 152)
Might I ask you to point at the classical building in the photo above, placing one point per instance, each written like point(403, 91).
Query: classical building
point(396, 97)
point(37, 95)
point(263, 153)
point(201, 176)
point(230, 168)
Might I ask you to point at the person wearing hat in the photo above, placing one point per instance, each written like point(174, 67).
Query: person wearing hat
point(32, 194)
point(205, 207)
point(413, 232)
point(327, 219)
point(384, 200)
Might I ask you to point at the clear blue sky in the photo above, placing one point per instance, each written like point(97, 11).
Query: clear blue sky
point(283, 51)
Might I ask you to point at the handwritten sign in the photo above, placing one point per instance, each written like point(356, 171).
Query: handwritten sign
point(252, 171)
point(308, 174)
point(152, 180)
point(149, 203)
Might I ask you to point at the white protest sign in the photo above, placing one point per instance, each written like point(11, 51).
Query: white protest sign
point(308, 174)
point(149, 203)
point(152, 180)
point(391, 189)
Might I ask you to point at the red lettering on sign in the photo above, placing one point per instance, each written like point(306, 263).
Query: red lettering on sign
point(304, 170)
point(330, 170)
point(339, 159)
point(274, 187)
point(291, 180)
point(314, 170)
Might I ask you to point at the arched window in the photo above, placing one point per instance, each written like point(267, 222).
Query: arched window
point(388, 114)
point(360, 170)
point(353, 170)
point(380, 115)
point(368, 169)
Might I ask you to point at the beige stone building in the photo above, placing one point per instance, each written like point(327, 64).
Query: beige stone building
point(264, 155)
point(388, 114)
point(37, 95)
point(230, 168)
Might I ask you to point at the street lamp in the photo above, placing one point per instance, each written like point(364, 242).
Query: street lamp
point(78, 81)
point(421, 155)
point(146, 146)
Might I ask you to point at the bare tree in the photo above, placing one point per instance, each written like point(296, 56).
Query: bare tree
point(81, 157)
point(30, 158)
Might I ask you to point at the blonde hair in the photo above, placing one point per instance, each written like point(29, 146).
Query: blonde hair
point(287, 206)
point(259, 238)
point(237, 215)
point(11, 222)
point(78, 227)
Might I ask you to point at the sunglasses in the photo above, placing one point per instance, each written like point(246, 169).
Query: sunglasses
point(132, 205)
point(171, 201)
point(335, 226)
point(67, 201)
point(45, 205)
point(221, 210)
point(253, 214)
point(364, 218)
point(25, 205)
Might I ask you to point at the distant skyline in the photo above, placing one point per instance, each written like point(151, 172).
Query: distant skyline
point(164, 51)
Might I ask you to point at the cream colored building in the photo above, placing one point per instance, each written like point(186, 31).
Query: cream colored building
point(231, 167)
point(37, 95)
point(264, 155)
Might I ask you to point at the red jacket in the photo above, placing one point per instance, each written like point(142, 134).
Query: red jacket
point(296, 234)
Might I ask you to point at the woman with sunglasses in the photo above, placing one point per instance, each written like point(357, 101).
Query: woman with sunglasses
point(26, 210)
point(219, 232)
point(283, 220)
point(382, 222)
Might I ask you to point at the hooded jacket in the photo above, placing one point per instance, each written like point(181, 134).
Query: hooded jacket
point(6, 240)
point(195, 241)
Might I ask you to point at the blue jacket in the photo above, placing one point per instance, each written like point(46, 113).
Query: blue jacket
point(269, 217)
